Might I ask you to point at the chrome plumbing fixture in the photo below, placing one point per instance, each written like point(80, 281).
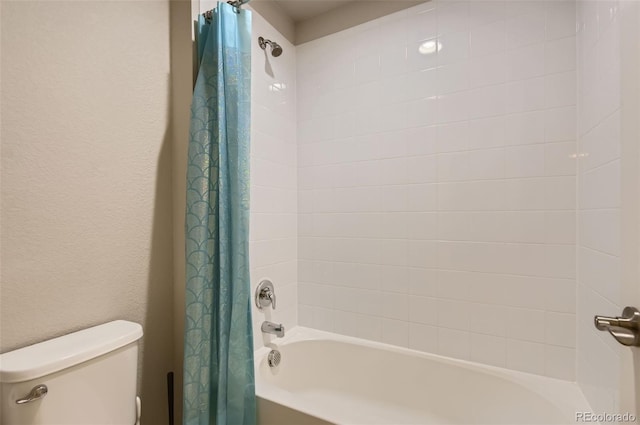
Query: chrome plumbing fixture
point(276, 329)
point(625, 329)
point(274, 358)
point(265, 295)
point(276, 49)
point(38, 392)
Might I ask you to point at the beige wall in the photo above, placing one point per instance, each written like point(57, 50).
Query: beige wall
point(86, 176)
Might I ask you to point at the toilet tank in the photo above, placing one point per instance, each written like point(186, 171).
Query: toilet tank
point(90, 378)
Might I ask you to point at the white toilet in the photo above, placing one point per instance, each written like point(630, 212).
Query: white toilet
point(84, 378)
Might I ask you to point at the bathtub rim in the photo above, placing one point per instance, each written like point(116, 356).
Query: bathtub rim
point(564, 395)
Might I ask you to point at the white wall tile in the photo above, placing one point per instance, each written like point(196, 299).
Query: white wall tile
point(526, 325)
point(420, 84)
point(600, 188)
point(560, 193)
point(596, 271)
point(417, 60)
point(454, 343)
point(488, 70)
point(345, 323)
point(561, 295)
point(437, 192)
point(600, 230)
point(453, 314)
point(395, 306)
point(525, 161)
point(422, 197)
point(560, 89)
point(423, 337)
point(453, 137)
point(274, 184)
point(560, 159)
point(421, 26)
point(423, 310)
point(485, 164)
point(423, 112)
point(473, 196)
point(560, 55)
point(526, 62)
point(392, 29)
point(560, 362)
point(395, 332)
point(454, 47)
point(370, 302)
point(525, 128)
point(451, 107)
point(488, 132)
point(526, 356)
point(488, 349)
point(369, 327)
point(488, 39)
point(485, 12)
point(487, 101)
point(524, 194)
point(488, 319)
point(560, 124)
point(453, 17)
point(561, 19)
point(420, 169)
point(420, 140)
point(422, 282)
point(560, 329)
point(560, 227)
point(526, 95)
point(599, 146)
point(421, 254)
point(452, 78)
point(525, 226)
point(526, 28)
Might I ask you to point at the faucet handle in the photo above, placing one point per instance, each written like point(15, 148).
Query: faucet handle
point(265, 295)
point(272, 297)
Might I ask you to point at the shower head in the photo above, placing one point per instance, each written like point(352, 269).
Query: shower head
point(276, 49)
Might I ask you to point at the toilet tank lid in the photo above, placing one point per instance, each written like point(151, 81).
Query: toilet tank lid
point(56, 354)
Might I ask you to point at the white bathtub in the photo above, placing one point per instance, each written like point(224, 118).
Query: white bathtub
point(330, 378)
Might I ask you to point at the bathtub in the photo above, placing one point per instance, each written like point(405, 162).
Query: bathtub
point(325, 378)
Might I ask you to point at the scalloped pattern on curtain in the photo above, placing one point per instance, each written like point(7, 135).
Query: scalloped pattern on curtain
point(219, 384)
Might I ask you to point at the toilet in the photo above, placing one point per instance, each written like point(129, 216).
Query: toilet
point(83, 378)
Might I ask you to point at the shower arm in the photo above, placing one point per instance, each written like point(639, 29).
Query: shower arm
point(263, 43)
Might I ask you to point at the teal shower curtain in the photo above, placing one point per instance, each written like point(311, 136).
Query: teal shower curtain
point(219, 385)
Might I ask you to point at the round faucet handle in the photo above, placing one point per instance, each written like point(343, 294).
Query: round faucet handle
point(272, 298)
point(265, 295)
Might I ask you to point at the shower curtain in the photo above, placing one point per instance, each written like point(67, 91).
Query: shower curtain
point(219, 386)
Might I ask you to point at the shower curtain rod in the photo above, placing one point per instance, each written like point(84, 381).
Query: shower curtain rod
point(237, 3)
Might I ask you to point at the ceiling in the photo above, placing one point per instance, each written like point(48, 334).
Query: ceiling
point(300, 21)
point(300, 10)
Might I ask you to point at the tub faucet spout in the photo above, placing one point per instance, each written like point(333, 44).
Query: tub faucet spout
point(276, 329)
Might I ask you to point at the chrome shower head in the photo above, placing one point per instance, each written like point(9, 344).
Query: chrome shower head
point(276, 49)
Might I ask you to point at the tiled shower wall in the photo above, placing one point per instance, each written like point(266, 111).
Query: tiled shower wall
point(273, 238)
point(436, 191)
point(599, 178)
